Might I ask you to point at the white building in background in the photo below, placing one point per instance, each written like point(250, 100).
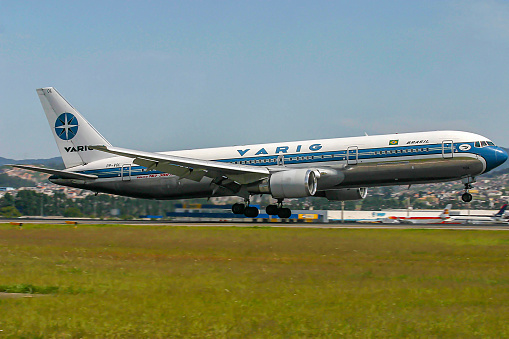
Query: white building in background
point(385, 215)
point(6, 189)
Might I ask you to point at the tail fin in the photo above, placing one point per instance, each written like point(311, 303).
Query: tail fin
point(502, 211)
point(72, 132)
point(446, 213)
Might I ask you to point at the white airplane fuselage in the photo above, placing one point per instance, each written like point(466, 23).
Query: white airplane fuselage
point(357, 162)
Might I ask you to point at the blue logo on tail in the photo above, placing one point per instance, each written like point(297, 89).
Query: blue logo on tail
point(66, 126)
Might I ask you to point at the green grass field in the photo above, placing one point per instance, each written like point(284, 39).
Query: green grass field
point(225, 282)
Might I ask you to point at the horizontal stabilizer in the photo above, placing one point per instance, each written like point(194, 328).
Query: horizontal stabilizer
point(62, 174)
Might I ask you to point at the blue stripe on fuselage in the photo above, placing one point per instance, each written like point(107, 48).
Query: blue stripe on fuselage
point(381, 153)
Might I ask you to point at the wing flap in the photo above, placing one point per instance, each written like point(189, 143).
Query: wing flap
point(164, 166)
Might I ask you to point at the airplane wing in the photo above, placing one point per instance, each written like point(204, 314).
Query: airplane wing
point(190, 168)
point(63, 174)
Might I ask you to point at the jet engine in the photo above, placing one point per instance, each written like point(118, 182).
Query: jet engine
point(296, 183)
point(345, 194)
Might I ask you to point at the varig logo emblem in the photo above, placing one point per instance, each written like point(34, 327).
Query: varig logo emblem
point(66, 126)
point(465, 147)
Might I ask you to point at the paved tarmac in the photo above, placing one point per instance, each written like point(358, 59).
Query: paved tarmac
point(487, 227)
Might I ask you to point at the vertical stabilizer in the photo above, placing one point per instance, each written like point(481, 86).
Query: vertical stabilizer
point(73, 134)
point(502, 211)
point(446, 213)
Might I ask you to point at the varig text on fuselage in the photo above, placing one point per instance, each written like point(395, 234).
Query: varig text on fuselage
point(280, 150)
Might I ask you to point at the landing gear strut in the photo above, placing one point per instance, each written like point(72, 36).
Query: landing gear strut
point(279, 210)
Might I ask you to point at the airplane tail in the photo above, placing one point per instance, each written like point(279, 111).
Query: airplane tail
point(73, 133)
point(501, 212)
point(446, 213)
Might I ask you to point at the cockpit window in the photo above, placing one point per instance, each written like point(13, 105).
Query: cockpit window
point(483, 143)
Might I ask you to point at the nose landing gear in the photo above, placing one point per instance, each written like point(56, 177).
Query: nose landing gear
point(467, 197)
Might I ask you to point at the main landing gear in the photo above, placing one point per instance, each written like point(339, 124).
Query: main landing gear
point(252, 212)
point(279, 210)
point(248, 211)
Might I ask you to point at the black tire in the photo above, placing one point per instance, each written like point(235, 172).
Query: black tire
point(466, 197)
point(284, 213)
point(238, 208)
point(272, 209)
point(251, 212)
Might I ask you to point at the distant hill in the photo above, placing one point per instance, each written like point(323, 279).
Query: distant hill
point(12, 181)
point(55, 162)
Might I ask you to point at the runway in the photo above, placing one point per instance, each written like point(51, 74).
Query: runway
point(70, 222)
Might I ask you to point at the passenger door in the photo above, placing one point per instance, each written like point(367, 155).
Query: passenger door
point(125, 172)
point(447, 149)
point(352, 155)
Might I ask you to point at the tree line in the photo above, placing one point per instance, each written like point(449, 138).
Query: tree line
point(30, 203)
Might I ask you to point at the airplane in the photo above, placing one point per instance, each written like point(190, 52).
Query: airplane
point(338, 169)
point(498, 217)
point(443, 218)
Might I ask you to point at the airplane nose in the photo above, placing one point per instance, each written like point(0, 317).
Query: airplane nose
point(501, 156)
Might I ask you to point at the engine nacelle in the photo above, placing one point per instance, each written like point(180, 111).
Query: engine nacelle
point(345, 194)
point(297, 183)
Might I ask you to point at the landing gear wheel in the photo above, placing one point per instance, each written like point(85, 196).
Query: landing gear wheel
point(466, 197)
point(238, 208)
point(251, 212)
point(272, 209)
point(284, 213)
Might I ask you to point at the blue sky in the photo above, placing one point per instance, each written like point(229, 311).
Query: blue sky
point(164, 75)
